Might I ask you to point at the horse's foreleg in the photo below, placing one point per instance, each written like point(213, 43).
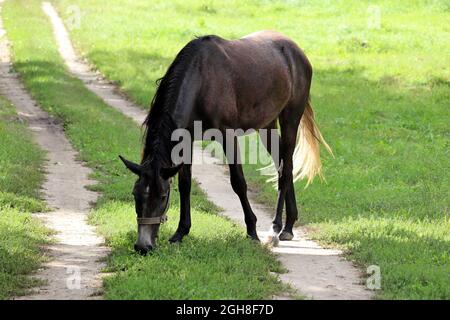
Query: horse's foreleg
point(239, 186)
point(184, 187)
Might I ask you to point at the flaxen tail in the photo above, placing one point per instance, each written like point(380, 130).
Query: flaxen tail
point(306, 158)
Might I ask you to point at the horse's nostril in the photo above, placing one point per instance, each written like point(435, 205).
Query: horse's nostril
point(143, 250)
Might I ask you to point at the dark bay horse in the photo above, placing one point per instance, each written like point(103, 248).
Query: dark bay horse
point(255, 82)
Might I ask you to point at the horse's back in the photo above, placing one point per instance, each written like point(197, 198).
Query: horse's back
point(251, 75)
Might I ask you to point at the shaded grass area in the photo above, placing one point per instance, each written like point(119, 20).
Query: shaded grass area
point(20, 179)
point(20, 161)
point(380, 92)
point(217, 261)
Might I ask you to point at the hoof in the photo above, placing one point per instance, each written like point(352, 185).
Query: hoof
point(143, 250)
point(177, 237)
point(286, 235)
point(273, 240)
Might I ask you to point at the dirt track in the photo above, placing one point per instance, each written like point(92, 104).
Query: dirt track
point(73, 267)
point(314, 271)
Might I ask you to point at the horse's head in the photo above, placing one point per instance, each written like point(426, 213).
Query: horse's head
point(151, 194)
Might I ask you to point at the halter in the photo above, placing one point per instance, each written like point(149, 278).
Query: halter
point(153, 220)
point(156, 220)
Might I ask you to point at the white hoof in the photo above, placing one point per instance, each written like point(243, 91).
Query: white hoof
point(273, 240)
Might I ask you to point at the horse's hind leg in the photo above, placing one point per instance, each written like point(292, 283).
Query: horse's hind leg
point(291, 214)
point(289, 122)
point(271, 141)
point(239, 186)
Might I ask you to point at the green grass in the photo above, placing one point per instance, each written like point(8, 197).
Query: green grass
point(381, 98)
point(216, 261)
point(20, 178)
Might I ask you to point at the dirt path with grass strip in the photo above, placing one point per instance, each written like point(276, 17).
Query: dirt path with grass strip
point(313, 271)
point(73, 263)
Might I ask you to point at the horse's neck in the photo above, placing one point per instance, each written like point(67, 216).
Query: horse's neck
point(176, 115)
point(181, 111)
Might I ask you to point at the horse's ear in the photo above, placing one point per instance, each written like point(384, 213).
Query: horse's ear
point(133, 167)
point(167, 173)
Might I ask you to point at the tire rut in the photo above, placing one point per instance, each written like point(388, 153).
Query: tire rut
point(73, 268)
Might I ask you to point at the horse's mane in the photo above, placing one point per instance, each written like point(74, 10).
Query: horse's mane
point(159, 124)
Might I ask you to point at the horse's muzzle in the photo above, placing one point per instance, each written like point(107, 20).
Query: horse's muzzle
point(143, 250)
point(147, 235)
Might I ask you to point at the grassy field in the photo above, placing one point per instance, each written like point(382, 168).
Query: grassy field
point(216, 261)
point(20, 178)
point(380, 91)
